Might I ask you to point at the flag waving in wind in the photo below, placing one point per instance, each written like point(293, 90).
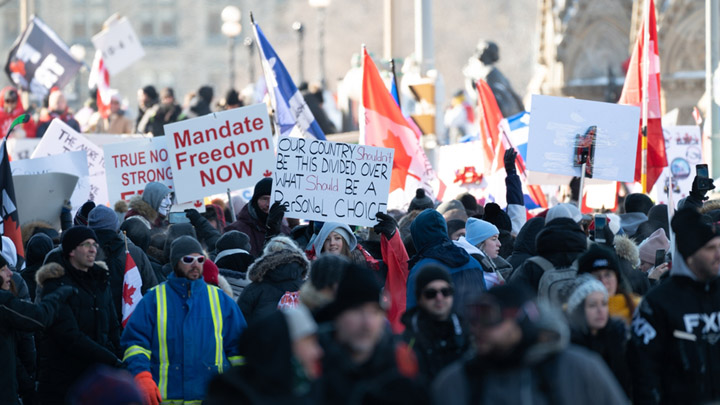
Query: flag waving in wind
point(291, 112)
point(644, 73)
point(10, 224)
point(382, 124)
point(100, 78)
point(490, 117)
point(132, 284)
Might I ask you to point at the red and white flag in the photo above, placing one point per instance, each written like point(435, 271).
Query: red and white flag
point(100, 77)
point(132, 284)
point(632, 94)
point(383, 124)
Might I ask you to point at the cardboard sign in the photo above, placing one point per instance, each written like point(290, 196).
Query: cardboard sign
point(332, 181)
point(231, 149)
point(684, 150)
point(73, 163)
point(119, 45)
point(60, 138)
point(556, 122)
point(40, 197)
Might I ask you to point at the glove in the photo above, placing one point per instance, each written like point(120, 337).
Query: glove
point(193, 215)
point(148, 388)
point(275, 217)
point(386, 225)
point(64, 292)
point(700, 194)
point(509, 159)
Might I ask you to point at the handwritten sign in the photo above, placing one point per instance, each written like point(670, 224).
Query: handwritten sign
point(231, 149)
point(60, 138)
point(332, 181)
point(557, 122)
point(119, 45)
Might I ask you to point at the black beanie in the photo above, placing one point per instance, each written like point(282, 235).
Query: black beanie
point(183, 246)
point(233, 240)
point(599, 257)
point(691, 232)
point(496, 216)
point(75, 236)
point(454, 225)
point(263, 187)
point(470, 203)
point(81, 216)
point(429, 273)
point(421, 201)
point(638, 202)
point(357, 286)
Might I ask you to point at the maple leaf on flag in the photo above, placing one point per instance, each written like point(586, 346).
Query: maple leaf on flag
point(128, 292)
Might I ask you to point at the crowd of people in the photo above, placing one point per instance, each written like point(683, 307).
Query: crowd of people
point(450, 303)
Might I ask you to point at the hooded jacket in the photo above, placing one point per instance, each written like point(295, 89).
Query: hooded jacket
point(629, 256)
point(524, 246)
point(271, 276)
point(37, 247)
point(675, 355)
point(630, 221)
point(147, 204)
point(429, 234)
point(561, 241)
point(86, 330)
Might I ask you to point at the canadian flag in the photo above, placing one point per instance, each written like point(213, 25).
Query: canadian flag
point(132, 284)
point(100, 77)
point(382, 124)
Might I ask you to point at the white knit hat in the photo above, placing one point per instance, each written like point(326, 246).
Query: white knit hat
point(585, 285)
point(300, 322)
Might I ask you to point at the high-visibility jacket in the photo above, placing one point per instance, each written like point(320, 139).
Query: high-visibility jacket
point(183, 332)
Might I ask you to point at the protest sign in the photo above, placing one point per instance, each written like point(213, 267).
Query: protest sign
point(104, 139)
point(40, 197)
point(74, 163)
point(119, 45)
point(129, 166)
point(60, 138)
point(559, 125)
point(231, 149)
point(21, 148)
point(332, 181)
point(684, 150)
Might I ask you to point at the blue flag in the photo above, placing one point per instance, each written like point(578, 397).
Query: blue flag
point(291, 112)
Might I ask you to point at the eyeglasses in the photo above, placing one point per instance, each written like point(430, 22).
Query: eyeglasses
point(431, 293)
point(190, 259)
point(88, 245)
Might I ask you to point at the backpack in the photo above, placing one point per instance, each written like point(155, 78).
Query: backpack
point(289, 300)
point(556, 284)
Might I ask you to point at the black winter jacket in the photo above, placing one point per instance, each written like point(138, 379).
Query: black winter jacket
point(675, 341)
point(86, 330)
point(611, 344)
point(524, 245)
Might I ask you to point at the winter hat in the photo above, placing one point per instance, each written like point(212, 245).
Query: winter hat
point(454, 225)
point(692, 233)
point(450, 205)
point(358, 286)
point(638, 202)
point(328, 270)
point(233, 240)
point(478, 231)
point(470, 203)
point(648, 247)
point(175, 231)
point(9, 252)
point(183, 246)
point(75, 236)
point(82, 214)
point(103, 218)
point(300, 322)
point(584, 286)
point(262, 187)
point(496, 216)
point(429, 273)
point(659, 214)
point(599, 257)
point(37, 247)
point(105, 385)
point(421, 201)
point(564, 210)
point(210, 272)
point(137, 231)
point(281, 243)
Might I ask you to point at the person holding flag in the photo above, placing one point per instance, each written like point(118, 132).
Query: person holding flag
point(9, 221)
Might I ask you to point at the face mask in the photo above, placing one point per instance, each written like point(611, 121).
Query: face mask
point(164, 206)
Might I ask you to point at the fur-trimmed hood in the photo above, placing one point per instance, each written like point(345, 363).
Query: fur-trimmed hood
point(313, 298)
point(710, 205)
point(276, 266)
point(627, 249)
point(29, 229)
point(142, 208)
point(54, 270)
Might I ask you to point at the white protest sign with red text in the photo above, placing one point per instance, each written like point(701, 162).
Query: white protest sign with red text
point(129, 166)
point(231, 149)
point(332, 181)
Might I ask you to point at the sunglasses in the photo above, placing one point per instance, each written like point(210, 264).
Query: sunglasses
point(190, 259)
point(431, 293)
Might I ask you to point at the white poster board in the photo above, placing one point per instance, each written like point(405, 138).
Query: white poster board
point(60, 138)
point(104, 139)
point(231, 149)
point(684, 150)
point(555, 122)
point(73, 163)
point(332, 181)
point(40, 197)
point(119, 45)
point(129, 166)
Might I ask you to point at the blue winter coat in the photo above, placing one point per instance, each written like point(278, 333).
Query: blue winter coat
point(184, 332)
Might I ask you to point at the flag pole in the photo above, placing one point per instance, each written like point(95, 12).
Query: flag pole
point(271, 92)
point(645, 101)
point(394, 77)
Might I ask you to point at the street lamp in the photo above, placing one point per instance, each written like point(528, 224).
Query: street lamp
point(250, 45)
point(321, 6)
point(231, 28)
point(300, 29)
